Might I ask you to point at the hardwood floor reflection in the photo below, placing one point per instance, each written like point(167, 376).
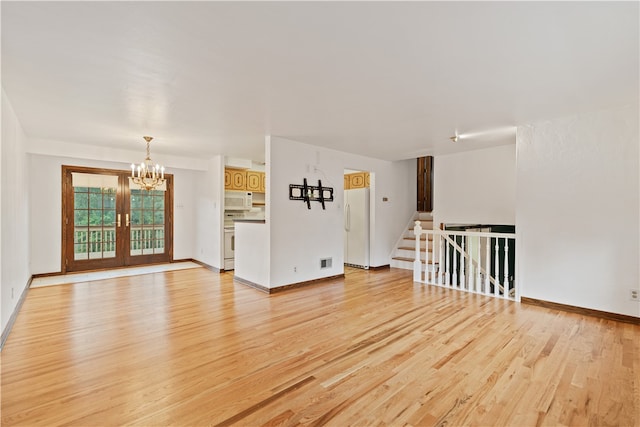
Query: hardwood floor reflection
point(192, 347)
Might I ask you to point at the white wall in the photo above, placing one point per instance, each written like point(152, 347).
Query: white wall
point(184, 212)
point(14, 203)
point(208, 239)
point(475, 187)
point(577, 210)
point(46, 209)
point(252, 256)
point(300, 237)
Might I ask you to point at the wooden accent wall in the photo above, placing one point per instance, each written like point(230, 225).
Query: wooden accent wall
point(425, 184)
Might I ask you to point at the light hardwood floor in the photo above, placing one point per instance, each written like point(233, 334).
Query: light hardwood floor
point(192, 347)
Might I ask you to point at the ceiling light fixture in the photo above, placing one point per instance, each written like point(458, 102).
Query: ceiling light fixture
point(146, 175)
point(454, 138)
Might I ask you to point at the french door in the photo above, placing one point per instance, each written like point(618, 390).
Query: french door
point(107, 222)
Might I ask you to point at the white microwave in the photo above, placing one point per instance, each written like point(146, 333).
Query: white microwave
point(238, 200)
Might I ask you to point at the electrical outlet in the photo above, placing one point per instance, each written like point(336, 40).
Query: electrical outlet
point(634, 295)
point(295, 269)
point(11, 293)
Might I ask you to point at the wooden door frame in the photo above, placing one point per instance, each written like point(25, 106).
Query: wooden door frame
point(122, 258)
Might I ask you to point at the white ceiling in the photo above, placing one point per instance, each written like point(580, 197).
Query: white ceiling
point(391, 80)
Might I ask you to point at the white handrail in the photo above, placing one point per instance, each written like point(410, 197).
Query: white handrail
point(469, 274)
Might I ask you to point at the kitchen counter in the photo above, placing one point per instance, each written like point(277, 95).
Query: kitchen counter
point(252, 251)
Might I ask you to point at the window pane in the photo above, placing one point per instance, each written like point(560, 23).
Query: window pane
point(95, 236)
point(95, 190)
point(81, 218)
point(80, 251)
point(95, 217)
point(95, 201)
point(147, 217)
point(136, 199)
point(158, 217)
point(80, 235)
point(147, 201)
point(109, 235)
point(80, 189)
point(136, 217)
point(158, 203)
point(80, 200)
point(109, 218)
point(109, 201)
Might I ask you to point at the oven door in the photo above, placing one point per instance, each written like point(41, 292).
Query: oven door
point(229, 248)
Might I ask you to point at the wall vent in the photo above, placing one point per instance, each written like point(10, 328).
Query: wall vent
point(325, 262)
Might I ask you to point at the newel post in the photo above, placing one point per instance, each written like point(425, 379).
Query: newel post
point(417, 264)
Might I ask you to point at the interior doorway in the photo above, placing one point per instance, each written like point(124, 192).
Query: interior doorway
point(357, 218)
point(107, 222)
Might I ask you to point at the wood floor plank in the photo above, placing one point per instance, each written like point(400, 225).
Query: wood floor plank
point(192, 347)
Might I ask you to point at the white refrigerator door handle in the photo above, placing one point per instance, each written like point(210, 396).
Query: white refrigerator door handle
point(345, 218)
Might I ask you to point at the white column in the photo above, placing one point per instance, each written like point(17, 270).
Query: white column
point(417, 264)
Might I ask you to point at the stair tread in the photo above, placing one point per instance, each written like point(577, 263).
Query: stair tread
point(412, 248)
point(402, 258)
point(422, 237)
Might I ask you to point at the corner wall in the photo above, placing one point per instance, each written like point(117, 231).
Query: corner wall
point(299, 237)
point(208, 239)
point(577, 210)
point(14, 203)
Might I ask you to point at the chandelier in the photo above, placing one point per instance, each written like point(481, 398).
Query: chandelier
point(147, 175)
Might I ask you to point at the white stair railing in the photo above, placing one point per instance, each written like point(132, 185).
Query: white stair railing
point(470, 261)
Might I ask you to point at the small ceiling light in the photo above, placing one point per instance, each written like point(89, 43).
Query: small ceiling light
point(454, 138)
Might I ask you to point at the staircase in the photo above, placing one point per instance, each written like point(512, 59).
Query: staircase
point(405, 252)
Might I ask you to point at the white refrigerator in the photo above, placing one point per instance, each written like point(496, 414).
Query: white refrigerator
point(356, 227)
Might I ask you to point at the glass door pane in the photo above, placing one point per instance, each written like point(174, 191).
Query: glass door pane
point(94, 216)
point(147, 222)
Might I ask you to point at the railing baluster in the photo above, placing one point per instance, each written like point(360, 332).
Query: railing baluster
point(496, 285)
point(463, 282)
point(447, 262)
point(440, 269)
point(487, 265)
point(455, 266)
point(505, 283)
point(470, 265)
point(478, 265)
point(433, 258)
